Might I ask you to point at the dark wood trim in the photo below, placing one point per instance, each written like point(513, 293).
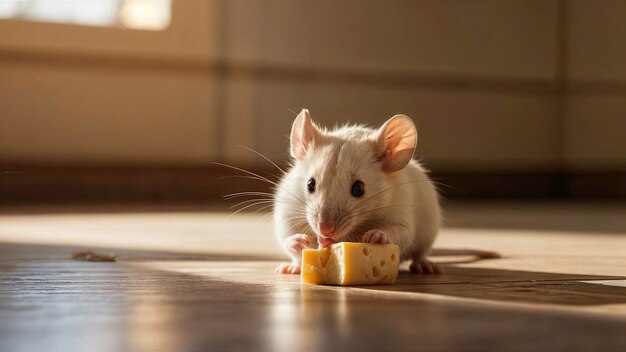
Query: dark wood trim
point(114, 183)
point(597, 185)
point(549, 185)
point(285, 73)
point(383, 78)
point(166, 184)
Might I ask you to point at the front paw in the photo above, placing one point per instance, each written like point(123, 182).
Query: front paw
point(297, 243)
point(375, 237)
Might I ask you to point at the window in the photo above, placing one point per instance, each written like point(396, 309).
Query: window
point(131, 14)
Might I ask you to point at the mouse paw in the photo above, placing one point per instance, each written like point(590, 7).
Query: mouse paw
point(424, 266)
point(374, 237)
point(286, 268)
point(297, 243)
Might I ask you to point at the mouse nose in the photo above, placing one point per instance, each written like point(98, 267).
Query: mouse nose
point(327, 228)
point(326, 222)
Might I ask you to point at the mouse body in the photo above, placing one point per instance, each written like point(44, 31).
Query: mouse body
point(356, 184)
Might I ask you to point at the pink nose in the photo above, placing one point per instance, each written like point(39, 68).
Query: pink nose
point(327, 228)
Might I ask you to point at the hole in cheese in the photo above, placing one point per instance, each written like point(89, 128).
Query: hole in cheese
point(393, 257)
point(382, 263)
point(366, 252)
point(375, 271)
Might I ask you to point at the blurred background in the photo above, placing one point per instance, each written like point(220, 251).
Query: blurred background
point(130, 100)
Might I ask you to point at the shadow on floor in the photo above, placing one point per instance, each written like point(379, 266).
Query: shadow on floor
point(512, 286)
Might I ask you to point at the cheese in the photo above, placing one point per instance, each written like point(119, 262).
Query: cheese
point(348, 263)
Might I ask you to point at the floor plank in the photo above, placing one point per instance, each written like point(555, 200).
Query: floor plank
point(187, 281)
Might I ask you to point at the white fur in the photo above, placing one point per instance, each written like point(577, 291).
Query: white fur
point(404, 204)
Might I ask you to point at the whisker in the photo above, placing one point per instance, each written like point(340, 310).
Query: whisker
point(246, 194)
point(245, 171)
point(293, 112)
point(264, 217)
point(240, 210)
point(396, 206)
point(264, 207)
point(262, 156)
point(299, 215)
point(256, 201)
point(298, 224)
point(385, 207)
point(257, 176)
point(446, 185)
point(242, 176)
point(264, 200)
point(296, 197)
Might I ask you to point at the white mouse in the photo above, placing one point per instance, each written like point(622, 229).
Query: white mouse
point(356, 184)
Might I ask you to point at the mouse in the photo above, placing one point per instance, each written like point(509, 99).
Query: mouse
point(358, 184)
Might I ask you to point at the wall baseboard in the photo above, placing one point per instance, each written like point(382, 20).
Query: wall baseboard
point(24, 184)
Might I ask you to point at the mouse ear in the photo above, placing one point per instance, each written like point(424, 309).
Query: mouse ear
point(396, 143)
point(304, 135)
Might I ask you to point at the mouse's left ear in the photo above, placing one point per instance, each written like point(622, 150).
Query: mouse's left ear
point(396, 143)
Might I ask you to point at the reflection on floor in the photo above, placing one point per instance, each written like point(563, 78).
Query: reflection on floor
point(193, 280)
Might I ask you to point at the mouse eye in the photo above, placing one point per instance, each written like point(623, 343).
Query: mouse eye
point(311, 185)
point(358, 189)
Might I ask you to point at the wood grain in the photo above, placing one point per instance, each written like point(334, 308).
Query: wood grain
point(192, 281)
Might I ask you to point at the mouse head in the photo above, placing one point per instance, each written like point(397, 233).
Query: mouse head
point(344, 176)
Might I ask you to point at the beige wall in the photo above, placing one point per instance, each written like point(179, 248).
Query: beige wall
point(491, 38)
point(480, 78)
point(595, 130)
point(80, 114)
point(472, 74)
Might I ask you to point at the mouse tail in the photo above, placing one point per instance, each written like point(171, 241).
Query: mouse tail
point(464, 251)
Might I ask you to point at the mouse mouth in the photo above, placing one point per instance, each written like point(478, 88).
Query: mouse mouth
point(339, 235)
point(325, 242)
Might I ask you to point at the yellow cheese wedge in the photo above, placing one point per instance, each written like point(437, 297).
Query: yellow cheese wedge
point(348, 263)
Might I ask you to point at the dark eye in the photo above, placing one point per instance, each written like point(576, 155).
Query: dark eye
point(358, 189)
point(311, 185)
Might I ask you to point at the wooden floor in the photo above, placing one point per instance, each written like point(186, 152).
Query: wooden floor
point(191, 280)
